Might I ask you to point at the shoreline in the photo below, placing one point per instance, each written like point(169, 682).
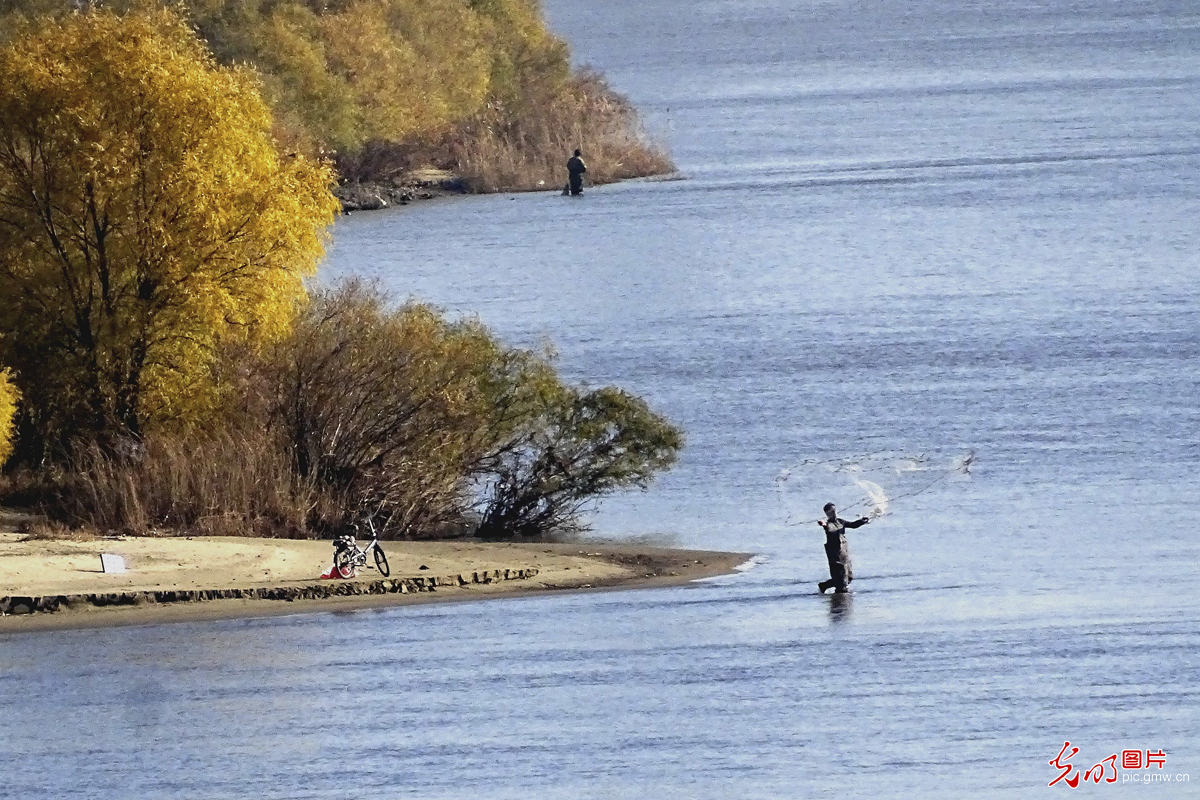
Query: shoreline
point(434, 184)
point(375, 195)
point(510, 570)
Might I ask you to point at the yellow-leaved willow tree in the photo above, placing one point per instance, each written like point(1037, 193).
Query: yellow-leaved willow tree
point(8, 409)
point(147, 219)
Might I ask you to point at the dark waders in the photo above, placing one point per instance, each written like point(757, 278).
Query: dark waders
point(575, 170)
point(841, 570)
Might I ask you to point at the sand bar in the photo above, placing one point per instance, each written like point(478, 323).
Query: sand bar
point(463, 570)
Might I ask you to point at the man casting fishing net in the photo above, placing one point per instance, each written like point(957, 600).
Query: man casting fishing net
point(841, 572)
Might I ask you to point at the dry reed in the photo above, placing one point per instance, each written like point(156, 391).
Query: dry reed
point(528, 150)
point(224, 485)
point(525, 147)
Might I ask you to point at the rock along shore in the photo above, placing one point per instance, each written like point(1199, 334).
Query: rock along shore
point(15, 604)
point(52, 584)
point(427, 184)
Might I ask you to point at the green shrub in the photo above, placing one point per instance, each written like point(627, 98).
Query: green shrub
point(580, 446)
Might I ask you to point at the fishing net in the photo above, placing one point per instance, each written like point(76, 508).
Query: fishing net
point(865, 485)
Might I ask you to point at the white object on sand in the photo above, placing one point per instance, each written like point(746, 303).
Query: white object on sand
point(112, 565)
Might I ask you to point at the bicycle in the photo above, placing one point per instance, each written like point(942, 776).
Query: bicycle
point(348, 556)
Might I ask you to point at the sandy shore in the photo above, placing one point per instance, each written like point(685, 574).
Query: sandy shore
point(70, 568)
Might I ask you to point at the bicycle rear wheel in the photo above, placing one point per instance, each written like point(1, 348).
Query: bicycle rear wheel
point(343, 564)
point(381, 561)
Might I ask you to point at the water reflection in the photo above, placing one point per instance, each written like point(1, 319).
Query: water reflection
point(840, 607)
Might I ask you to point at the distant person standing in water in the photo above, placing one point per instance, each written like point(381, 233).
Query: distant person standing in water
point(575, 169)
point(841, 572)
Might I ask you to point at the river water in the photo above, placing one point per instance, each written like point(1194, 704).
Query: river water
point(904, 227)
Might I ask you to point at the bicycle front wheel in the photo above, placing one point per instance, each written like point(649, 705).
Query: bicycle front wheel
point(381, 562)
